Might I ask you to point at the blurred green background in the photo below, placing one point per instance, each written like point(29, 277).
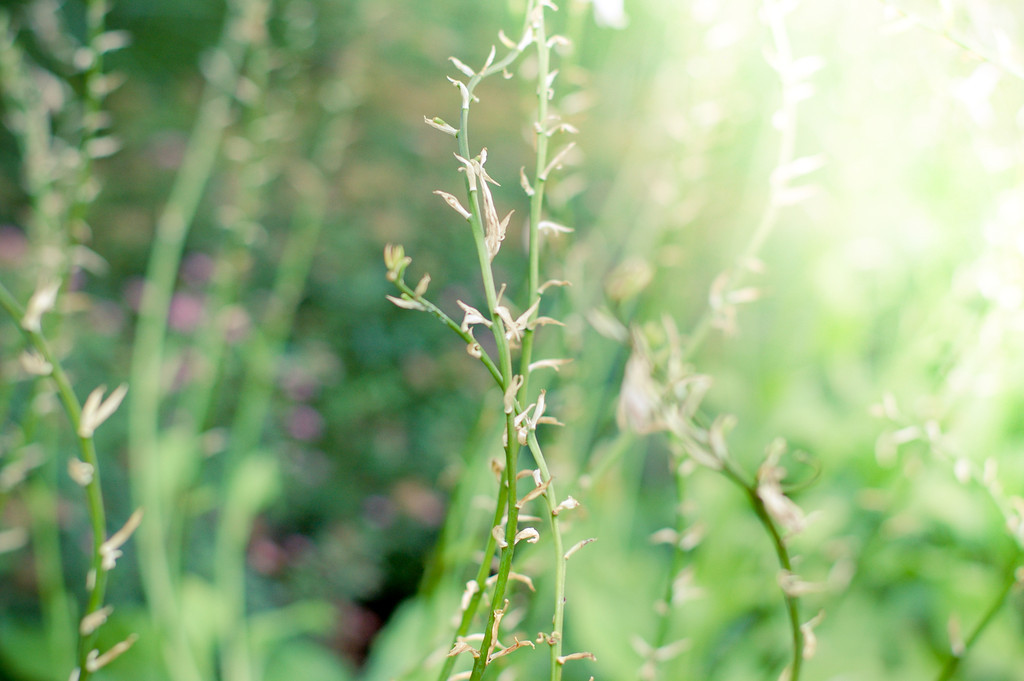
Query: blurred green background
point(902, 274)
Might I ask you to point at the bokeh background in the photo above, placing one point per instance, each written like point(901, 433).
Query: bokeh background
point(900, 274)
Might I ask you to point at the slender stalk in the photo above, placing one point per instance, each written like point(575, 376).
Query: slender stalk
point(785, 562)
point(92, 99)
point(235, 521)
point(507, 509)
point(481, 579)
point(440, 315)
point(42, 499)
point(505, 365)
point(32, 130)
point(735, 276)
point(486, 273)
point(475, 219)
point(664, 608)
point(171, 230)
point(505, 560)
point(539, 182)
point(248, 207)
point(957, 656)
point(148, 353)
point(251, 414)
point(87, 449)
point(551, 498)
point(50, 218)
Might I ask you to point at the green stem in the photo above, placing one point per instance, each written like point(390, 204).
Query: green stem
point(486, 273)
point(87, 449)
point(43, 501)
point(678, 560)
point(539, 182)
point(736, 275)
point(507, 551)
point(252, 411)
point(169, 240)
point(733, 279)
point(159, 579)
point(92, 100)
point(956, 657)
point(785, 562)
point(439, 314)
point(551, 498)
point(462, 137)
point(481, 580)
point(502, 372)
point(22, 94)
point(505, 364)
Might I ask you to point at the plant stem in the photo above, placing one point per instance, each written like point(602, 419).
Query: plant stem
point(551, 498)
point(251, 413)
point(736, 275)
point(785, 562)
point(92, 99)
point(486, 273)
point(32, 134)
point(172, 228)
point(505, 365)
point(87, 449)
point(539, 182)
point(734, 278)
point(43, 501)
point(505, 560)
point(664, 609)
point(439, 314)
point(480, 579)
point(956, 657)
point(507, 507)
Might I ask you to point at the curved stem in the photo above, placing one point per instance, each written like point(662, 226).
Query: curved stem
point(956, 657)
point(735, 276)
point(505, 366)
point(439, 314)
point(785, 562)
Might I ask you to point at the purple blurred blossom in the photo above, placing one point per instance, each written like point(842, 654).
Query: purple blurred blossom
point(186, 312)
point(300, 385)
point(266, 557)
point(13, 246)
point(305, 423)
point(196, 269)
point(77, 280)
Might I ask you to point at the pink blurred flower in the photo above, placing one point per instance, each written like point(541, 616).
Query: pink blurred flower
point(13, 246)
point(305, 423)
point(186, 312)
point(196, 269)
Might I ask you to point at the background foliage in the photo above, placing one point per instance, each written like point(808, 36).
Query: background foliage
point(902, 275)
